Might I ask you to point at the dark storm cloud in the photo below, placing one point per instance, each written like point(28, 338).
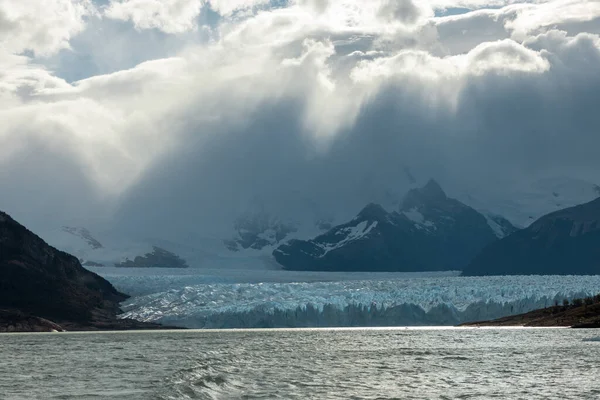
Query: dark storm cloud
point(302, 127)
point(505, 126)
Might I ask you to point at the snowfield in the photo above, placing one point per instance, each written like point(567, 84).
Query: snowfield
point(322, 300)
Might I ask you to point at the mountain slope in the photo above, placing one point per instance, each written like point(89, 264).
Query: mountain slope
point(368, 241)
point(431, 232)
point(563, 242)
point(458, 231)
point(39, 282)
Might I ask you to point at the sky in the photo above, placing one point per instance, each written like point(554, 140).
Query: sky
point(182, 114)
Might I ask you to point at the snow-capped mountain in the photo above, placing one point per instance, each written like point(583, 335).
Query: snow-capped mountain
point(430, 203)
point(430, 232)
point(264, 225)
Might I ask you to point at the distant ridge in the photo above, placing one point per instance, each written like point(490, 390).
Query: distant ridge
point(561, 243)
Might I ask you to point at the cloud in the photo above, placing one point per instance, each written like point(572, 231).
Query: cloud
point(309, 105)
point(228, 7)
point(505, 118)
point(170, 16)
point(460, 33)
point(531, 18)
point(173, 16)
point(404, 11)
point(41, 27)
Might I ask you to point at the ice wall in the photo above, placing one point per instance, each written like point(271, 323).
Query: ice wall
point(400, 302)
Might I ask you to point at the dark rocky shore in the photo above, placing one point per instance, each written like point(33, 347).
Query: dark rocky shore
point(580, 313)
point(43, 289)
point(17, 321)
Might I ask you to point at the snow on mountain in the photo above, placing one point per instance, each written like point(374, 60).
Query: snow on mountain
point(420, 222)
point(391, 301)
point(251, 239)
point(429, 232)
point(500, 225)
point(350, 233)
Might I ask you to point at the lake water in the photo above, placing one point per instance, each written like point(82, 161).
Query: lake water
point(303, 364)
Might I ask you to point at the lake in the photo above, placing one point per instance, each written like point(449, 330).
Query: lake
point(398, 363)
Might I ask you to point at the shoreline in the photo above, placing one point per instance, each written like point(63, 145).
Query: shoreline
point(15, 321)
point(579, 315)
point(334, 329)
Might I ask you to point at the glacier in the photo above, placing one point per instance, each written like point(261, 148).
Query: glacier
point(204, 301)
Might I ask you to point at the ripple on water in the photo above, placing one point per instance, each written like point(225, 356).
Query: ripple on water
point(310, 364)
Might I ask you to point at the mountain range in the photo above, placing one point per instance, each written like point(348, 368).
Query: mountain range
point(424, 229)
point(429, 232)
point(43, 288)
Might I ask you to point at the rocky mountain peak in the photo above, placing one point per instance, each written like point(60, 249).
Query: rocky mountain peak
point(373, 212)
point(431, 232)
point(432, 192)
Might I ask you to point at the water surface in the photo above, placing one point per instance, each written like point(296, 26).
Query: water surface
point(303, 364)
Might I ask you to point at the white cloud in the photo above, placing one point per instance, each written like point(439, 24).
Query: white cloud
point(43, 27)
point(460, 33)
point(530, 18)
point(501, 57)
point(173, 16)
point(228, 7)
point(280, 93)
point(170, 16)
point(404, 11)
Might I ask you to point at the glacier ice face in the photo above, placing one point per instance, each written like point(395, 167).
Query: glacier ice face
point(403, 301)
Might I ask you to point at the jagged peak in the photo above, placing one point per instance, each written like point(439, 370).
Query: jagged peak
point(432, 191)
point(373, 211)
